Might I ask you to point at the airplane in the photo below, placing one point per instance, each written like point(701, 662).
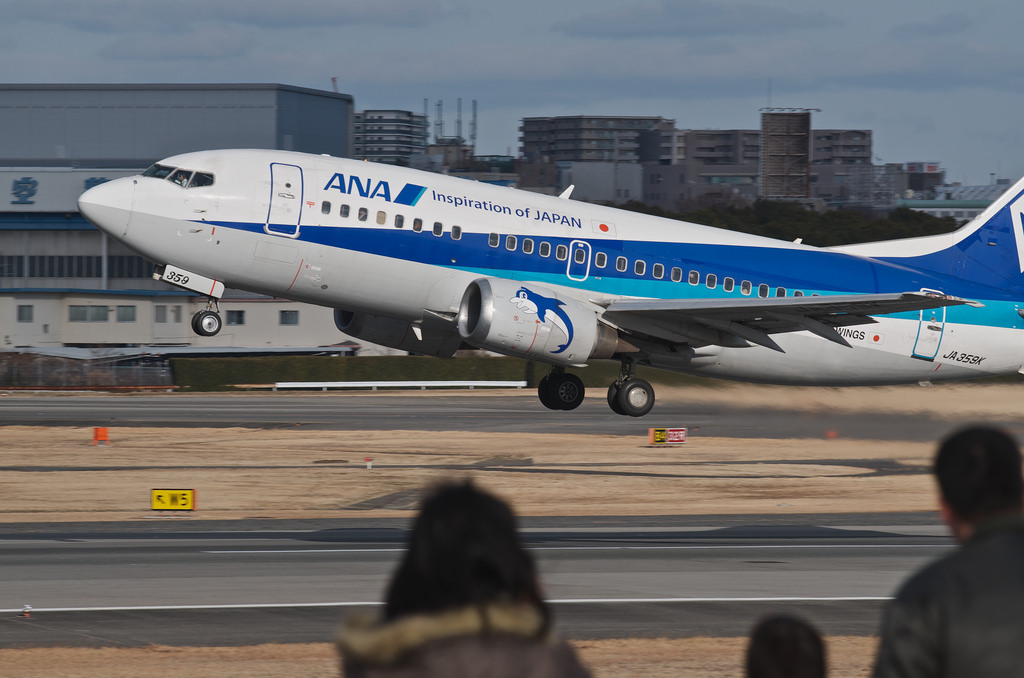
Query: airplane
point(430, 264)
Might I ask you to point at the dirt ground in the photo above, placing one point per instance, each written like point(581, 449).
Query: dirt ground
point(57, 475)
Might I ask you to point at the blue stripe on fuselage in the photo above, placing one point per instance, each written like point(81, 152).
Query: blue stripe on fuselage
point(810, 271)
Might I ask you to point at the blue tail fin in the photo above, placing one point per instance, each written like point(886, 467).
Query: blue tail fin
point(988, 250)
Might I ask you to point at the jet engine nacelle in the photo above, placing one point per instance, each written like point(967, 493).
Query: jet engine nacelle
point(530, 321)
point(440, 341)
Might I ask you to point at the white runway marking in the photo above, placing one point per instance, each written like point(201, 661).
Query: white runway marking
point(560, 601)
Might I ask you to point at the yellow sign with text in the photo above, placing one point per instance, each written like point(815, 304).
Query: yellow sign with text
point(173, 500)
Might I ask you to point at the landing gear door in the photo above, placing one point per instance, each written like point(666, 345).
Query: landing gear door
point(285, 210)
point(929, 331)
point(579, 260)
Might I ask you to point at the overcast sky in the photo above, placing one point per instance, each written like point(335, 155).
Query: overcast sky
point(934, 80)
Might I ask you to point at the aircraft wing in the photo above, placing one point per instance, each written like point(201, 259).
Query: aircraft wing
point(732, 322)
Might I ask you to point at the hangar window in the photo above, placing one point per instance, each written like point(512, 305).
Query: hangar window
point(728, 284)
point(288, 318)
point(382, 217)
point(399, 221)
point(344, 211)
point(545, 249)
point(456, 232)
point(527, 246)
point(694, 278)
point(711, 281)
point(235, 317)
point(494, 240)
point(658, 271)
point(621, 264)
point(510, 243)
point(677, 274)
point(639, 267)
point(325, 207)
point(762, 290)
point(125, 314)
point(438, 229)
point(561, 252)
point(600, 260)
point(417, 225)
point(745, 287)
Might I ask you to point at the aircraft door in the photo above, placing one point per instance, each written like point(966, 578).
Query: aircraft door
point(579, 260)
point(929, 331)
point(285, 209)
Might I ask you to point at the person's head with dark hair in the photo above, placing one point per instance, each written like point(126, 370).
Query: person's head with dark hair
point(464, 550)
point(785, 647)
point(979, 475)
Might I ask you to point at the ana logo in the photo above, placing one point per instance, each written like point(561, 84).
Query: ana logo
point(370, 188)
point(545, 308)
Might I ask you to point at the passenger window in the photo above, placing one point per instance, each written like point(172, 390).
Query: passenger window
point(580, 256)
point(762, 291)
point(694, 278)
point(344, 211)
point(382, 217)
point(797, 293)
point(456, 232)
point(780, 291)
point(438, 228)
point(621, 264)
point(561, 252)
point(745, 287)
point(711, 281)
point(677, 274)
point(639, 267)
point(510, 243)
point(600, 260)
point(658, 271)
point(493, 239)
point(545, 249)
point(399, 221)
point(527, 246)
point(363, 214)
point(417, 225)
point(325, 207)
point(728, 284)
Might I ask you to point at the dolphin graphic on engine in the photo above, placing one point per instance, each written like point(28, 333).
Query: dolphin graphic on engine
point(529, 301)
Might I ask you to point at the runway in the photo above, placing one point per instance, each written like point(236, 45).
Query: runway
point(92, 587)
point(461, 411)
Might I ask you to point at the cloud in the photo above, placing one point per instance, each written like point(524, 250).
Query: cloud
point(951, 23)
point(118, 16)
point(692, 19)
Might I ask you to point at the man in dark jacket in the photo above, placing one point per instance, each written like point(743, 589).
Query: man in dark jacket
point(963, 615)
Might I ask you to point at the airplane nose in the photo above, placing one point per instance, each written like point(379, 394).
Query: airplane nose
point(109, 205)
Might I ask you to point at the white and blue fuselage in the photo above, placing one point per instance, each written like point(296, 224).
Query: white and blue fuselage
point(429, 262)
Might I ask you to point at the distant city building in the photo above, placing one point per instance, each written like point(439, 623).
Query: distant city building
point(586, 138)
point(389, 136)
point(962, 203)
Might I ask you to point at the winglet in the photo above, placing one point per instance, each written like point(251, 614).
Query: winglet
point(564, 195)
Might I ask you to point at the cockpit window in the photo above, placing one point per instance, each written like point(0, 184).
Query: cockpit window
point(181, 177)
point(158, 171)
point(201, 179)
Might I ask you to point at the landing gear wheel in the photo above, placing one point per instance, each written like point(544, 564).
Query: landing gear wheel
point(613, 398)
point(561, 391)
point(635, 398)
point(206, 323)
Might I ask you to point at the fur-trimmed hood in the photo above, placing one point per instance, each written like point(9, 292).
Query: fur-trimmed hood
point(365, 639)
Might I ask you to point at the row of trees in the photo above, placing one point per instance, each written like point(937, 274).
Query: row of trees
point(788, 221)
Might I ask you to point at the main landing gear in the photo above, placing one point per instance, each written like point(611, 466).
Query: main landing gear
point(207, 323)
point(628, 395)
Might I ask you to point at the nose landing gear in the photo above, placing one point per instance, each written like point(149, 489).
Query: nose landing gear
point(207, 323)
